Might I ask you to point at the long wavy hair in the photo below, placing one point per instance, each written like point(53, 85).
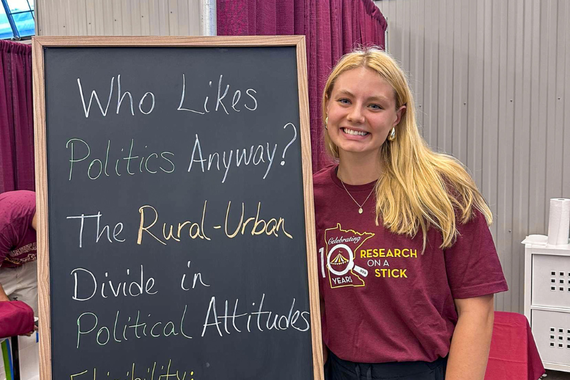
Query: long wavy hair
point(419, 188)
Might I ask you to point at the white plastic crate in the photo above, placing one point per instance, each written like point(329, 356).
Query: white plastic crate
point(547, 300)
point(551, 331)
point(551, 280)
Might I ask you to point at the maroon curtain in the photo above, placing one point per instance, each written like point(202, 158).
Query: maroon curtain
point(16, 118)
point(331, 27)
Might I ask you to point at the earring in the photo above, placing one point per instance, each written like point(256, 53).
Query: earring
point(392, 135)
point(327, 122)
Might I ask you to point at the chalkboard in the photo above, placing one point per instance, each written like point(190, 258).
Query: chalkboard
point(176, 216)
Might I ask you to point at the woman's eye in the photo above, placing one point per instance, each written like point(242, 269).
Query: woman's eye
point(344, 101)
point(375, 107)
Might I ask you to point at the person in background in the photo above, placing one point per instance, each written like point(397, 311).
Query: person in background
point(408, 267)
point(18, 251)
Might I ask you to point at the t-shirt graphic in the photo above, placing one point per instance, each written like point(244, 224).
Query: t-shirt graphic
point(341, 246)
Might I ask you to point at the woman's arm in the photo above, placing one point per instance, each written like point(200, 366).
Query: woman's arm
point(35, 221)
point(471, 339)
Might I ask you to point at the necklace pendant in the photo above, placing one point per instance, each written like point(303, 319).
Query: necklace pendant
point(360, 210)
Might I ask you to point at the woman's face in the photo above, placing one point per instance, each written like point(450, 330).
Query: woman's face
point(361, 111)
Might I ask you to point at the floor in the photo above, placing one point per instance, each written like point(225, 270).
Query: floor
point(555, 375)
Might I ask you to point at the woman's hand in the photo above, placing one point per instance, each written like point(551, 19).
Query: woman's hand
point(33, 331)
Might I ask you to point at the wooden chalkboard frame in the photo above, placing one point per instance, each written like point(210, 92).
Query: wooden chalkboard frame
point(40, 43)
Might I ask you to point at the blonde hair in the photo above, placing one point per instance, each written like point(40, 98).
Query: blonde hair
point(419, 188)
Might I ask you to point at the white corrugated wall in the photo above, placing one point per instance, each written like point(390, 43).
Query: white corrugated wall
point(118, 17)
point(492, 85)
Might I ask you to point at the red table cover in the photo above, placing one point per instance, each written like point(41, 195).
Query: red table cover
point(513, 354)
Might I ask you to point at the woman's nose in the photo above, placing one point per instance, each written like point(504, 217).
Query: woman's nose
point(355, 115)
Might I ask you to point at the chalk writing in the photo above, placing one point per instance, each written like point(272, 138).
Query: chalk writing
point(253, 155)
point(127, 163)
point(197, 278)
point(148, 98)
point(264, 320)
point(105, 231)
point(153, 372)
point(232, 317)
point(259, 226)
point(168, 232)
point(250, 104)
point(121, 329)
point(86, 285)
point(290, 142)
point(176, 215)
point(193, 229)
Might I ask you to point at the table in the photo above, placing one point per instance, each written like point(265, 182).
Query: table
point(513, 354)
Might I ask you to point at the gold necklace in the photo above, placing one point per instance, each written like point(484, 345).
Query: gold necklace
point(360, 211)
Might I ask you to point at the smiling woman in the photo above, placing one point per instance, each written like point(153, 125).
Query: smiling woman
point(421, 316)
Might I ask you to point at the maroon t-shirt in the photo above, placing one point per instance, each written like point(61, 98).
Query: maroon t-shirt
point(17, 237)
point(385, 301)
